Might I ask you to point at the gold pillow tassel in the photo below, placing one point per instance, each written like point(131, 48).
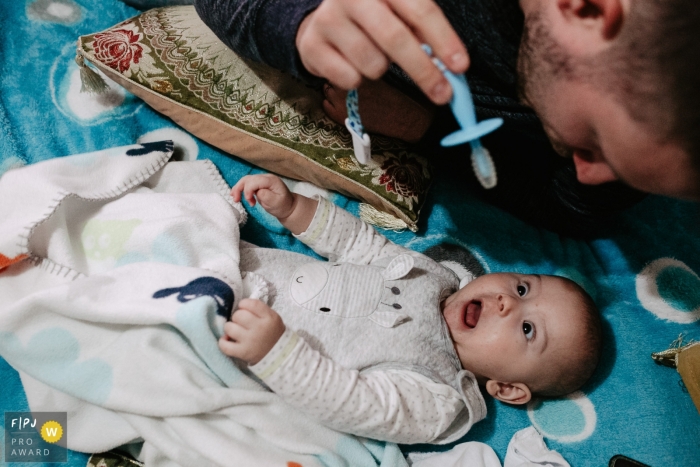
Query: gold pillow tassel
point(381, 219)
point(92, 83)
point(684, 357)
point(669, 357)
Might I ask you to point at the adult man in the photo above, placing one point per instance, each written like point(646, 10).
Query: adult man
point(614, 83)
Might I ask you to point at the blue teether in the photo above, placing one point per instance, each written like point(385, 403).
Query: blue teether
point(470, 131)
point(462, 107)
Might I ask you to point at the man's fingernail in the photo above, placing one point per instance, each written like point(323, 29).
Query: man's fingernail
point(458, 60)
point(440, 91)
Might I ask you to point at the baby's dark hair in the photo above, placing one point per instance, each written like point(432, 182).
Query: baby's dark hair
point(572, 377)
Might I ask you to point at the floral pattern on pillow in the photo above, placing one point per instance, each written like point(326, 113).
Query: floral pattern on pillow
point(172, 52)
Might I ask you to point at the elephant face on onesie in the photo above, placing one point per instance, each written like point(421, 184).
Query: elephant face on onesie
point(349, 290)
point(368, 316)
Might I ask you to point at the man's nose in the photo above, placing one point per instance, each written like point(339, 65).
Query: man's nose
point(592, 170)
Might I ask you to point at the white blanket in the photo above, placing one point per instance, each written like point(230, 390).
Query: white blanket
point(122, 267)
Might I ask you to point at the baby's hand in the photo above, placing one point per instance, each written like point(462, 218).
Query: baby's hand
point(270, 191)
point(252, 332)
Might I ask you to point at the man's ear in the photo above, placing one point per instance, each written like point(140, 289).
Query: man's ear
point(510, 393)
point(591, 24)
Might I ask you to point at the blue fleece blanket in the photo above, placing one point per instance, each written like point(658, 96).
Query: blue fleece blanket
point(643, 275)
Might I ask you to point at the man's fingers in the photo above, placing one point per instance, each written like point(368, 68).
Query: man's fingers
point(334, 67)
point(430, 24)
point(360, 51)
point(395, 38)
point(317, 43)
point(343, 41)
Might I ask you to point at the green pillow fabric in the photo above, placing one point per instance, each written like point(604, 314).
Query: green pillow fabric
point(176, 64)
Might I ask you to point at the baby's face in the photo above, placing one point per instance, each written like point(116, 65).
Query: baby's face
point(513, 327)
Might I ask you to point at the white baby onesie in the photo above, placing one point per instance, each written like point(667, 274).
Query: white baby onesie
point(366, 350)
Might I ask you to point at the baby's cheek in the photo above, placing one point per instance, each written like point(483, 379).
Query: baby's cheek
point(502, 349)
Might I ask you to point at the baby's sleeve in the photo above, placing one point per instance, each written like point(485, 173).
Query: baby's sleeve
point(339, 236)
point(400, 406)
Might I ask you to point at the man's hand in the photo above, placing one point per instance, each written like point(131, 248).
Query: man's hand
point(252, 332)
point(346, 40)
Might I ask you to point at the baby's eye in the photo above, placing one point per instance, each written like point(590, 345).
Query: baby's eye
point(529, 330)
point(523, 289)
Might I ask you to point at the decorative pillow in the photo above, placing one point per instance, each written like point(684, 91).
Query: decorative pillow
point(175, 63)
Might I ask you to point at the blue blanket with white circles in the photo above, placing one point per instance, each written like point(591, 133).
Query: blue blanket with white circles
point(643, 275)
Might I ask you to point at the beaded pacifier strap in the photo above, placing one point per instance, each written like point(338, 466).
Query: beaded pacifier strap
point(360, 140)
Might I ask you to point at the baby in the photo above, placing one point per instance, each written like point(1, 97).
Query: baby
point(380, 341)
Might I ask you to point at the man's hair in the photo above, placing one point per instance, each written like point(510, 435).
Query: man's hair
point(653, 67)
point(572, 376)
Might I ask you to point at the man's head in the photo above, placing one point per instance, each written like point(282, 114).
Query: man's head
point(616, 84)
point(525, 334)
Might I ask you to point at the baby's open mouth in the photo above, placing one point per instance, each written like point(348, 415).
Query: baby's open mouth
point(471, 317)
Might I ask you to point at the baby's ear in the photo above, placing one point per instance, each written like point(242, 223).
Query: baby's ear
point(510, 393)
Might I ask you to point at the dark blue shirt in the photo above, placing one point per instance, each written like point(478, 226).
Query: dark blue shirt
point(534, 183)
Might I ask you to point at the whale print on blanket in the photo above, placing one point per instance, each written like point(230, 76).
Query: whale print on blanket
point(203, 287)
point(131, 347)
point(147, 148)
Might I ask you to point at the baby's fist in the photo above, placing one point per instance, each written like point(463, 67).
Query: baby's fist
point(252, 332)
point(269, 190)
